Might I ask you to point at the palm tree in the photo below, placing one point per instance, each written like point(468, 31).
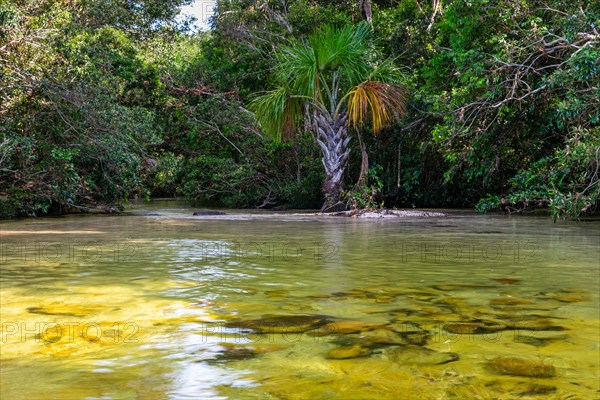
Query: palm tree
point(331, 82)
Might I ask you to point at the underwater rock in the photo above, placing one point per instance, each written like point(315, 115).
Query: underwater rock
point(408, 327)
point(537, 324)
point(416, 338)
point(416, 355)
point(534, 389)
point(381, 337)
point(417, 312)
point(343, 328)
point(346, 352)
point(318, 333)
point(403, 326)
point(539, 341)
point(277, 293)
point(571, 297)
point(384, 337)
point(509, 301)
point(67, 310)
point(454, 304)
point(298, 308)
point(269, 347)
point(464, 328)
point(575, 290)
point(521, 367)
point(526, 307)
point(233, 353)
point(348, 340)
point(281, 323)
point(319, 296)
point(346, 327)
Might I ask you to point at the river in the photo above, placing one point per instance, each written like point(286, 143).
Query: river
point(158, 304)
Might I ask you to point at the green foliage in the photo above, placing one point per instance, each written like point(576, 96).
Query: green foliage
point(142, 17)
point(568, 182)
point(108, 100)
point(76, 114)
point(367, 194)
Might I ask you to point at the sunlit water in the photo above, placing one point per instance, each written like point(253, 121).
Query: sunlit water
point(169, 306)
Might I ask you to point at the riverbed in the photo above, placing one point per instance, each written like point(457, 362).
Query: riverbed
point(159, 304)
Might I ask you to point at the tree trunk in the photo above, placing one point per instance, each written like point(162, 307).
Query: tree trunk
point(332, 138)
point(365, 9)
point(364, 164)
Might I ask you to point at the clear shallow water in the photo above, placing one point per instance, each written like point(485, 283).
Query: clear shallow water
point(174, 306)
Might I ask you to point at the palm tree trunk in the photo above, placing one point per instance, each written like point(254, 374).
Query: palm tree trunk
point(332, 138)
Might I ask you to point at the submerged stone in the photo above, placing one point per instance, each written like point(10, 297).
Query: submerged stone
point(277, 293)
point(416, 355)
point(319, 296)
point(521, 367)
point(346, 327)
point(269, 347)
point(404, 326)
point(464, 328)
point(281, 323)
point(318, 333)
point(571, 297)
point(348, 340)
point(342, 353)
point(538, 324)
point(298, 307)
point(416, 338)
point(233, 353)
point(509, 301)
point(381, 337)
point(575, 290)
point(537, 341)
point(67, 310)
point(535, 389)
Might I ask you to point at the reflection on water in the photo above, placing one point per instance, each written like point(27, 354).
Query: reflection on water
point(281, 307)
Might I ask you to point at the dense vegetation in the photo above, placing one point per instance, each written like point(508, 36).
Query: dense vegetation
point(107, 100)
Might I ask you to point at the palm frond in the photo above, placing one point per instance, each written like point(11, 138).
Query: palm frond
point(380, 101)
point(345, 50)
point(387, 72)
point(297, 68)
point(278, 112)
